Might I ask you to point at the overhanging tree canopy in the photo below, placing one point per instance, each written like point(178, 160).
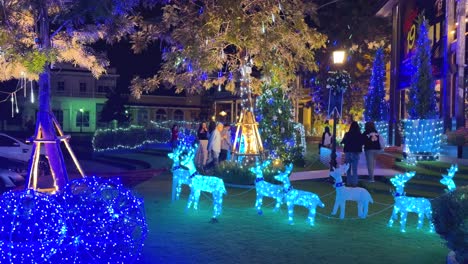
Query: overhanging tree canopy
point(206, 43)
point(36, 33)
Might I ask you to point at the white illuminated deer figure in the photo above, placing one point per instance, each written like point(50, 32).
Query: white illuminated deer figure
point(199, 183)
point(297, 197)
point(407, 204)
point(343, 194)
point(264, 188)
point(179, 175)
point(447, 179)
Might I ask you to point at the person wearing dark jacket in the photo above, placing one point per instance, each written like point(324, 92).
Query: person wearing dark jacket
point(352, 141)
point(371, 147)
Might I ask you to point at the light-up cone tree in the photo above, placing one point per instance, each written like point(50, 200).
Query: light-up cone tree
point(422, 130)
point(36, 34)
point(376, 107)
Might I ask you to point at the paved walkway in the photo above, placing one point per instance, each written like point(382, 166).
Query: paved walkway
point(362, 171)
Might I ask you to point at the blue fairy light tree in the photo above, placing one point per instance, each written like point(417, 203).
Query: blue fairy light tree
point(422, 97)
point(423, 131)
point(376, 107)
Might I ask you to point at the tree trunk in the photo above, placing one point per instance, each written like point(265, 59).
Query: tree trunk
point(459, 151)
point(45, 130)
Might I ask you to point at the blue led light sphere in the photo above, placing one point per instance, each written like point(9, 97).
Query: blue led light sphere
point(32, 227)
point(106, 222)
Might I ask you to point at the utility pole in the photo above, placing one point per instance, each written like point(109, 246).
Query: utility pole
point(460, 60)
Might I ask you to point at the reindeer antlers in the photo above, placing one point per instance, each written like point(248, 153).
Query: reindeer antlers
point(401, 179)
point(447, 179)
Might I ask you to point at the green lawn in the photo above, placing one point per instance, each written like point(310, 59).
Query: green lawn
point(243, 236)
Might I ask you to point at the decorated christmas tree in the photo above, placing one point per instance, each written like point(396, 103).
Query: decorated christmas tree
point(376, 106)
point(274, 113)
point(422, 101)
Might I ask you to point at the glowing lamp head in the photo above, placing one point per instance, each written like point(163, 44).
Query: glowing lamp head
point(339, 56)
point(81, 110)
point(223, 113)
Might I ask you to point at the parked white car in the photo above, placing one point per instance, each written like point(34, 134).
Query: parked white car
point(10, 178)
point(14, 149)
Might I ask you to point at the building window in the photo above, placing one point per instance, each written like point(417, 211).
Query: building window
point(142, 116)
point(58, 116)
point(82, 119)
point(161, 115)
point(82, 87)
point(102, 89)
point(178, 115)
point(60, 86)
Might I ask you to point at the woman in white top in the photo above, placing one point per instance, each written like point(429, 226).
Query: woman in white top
point(326, 139)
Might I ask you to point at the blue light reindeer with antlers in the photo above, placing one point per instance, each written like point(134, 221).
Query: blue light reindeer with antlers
point(199, 183)
point(297, 197)
point(407, 204)
point(264, 188)
point(447, 179)
point(179, 175)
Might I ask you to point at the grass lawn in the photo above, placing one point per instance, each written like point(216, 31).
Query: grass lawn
point(243, 236)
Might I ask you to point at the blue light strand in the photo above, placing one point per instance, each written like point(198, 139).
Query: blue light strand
point(32, 227)
point(94, 220)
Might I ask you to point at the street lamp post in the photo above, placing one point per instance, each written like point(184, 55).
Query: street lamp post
point(338, 58)
point(81, 117)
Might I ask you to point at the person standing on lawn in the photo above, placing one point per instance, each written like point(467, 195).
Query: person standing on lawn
point(214, 145)
point(202, 152)
point(174, 136)
point(225, 142)
point(352, 141)
point(371, 147)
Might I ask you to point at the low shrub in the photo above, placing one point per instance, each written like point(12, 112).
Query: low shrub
point(236, 173)
point(450, 217)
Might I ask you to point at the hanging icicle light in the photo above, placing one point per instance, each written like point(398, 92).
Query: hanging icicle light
point(32, 92)
point(273, 18)
point(263, 28)
point(16, 104)
point(12, 106)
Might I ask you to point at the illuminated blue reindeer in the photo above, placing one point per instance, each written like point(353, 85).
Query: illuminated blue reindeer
point(179, 175)
point(407, 204)
point(447, 179)
point(264, 188)
point(297, 197)
point(199, 183)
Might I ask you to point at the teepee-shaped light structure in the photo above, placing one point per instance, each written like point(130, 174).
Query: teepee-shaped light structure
point(247, 142)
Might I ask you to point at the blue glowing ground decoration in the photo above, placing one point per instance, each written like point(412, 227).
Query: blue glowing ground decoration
point(94, 220)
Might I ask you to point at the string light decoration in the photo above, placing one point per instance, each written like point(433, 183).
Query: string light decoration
point(32, 227)
point(264, 188)
point(179, 175)
point(297, 197)
point(423, 138)
point(447, 179)
point(135, 137)
point(407, 204)
point(343, 194)
point(199, 183)
point(106, 222)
